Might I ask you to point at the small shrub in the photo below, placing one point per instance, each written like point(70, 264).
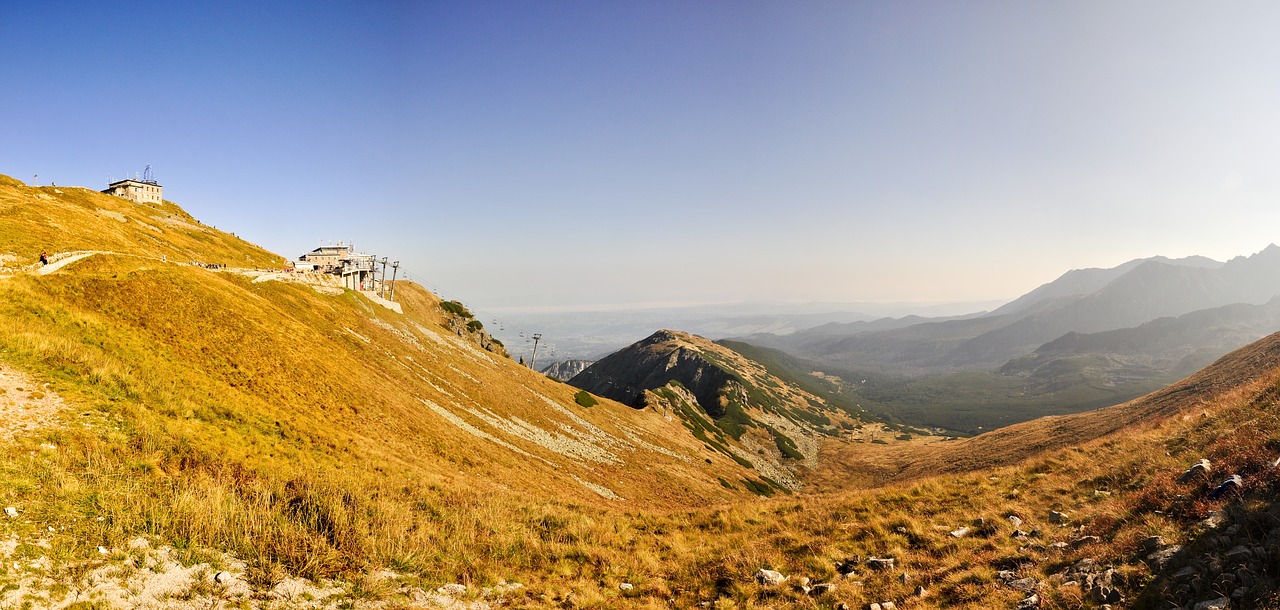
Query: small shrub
point(456, 308)
point(585, 399)
point(475, 326)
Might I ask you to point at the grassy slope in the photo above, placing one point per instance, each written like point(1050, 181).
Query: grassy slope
point(209, 410)
point(289, 426)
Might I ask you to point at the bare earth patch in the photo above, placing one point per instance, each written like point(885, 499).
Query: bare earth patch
point(25, 404)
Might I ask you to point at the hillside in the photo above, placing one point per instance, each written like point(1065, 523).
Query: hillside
point(268, 416)
point(732, 403)
point(179, 436)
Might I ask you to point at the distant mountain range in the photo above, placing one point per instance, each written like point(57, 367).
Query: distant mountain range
point(1082, 301)
point(1109, 333)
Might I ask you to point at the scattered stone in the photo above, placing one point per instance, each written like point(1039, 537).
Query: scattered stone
point(842, 606)
point(1232, 485)
point(960, 533)
point(1213, 604)
point(1057, 517)
point(11, 512)
point(979, 522)
point(222, 578)
point(1019, 534)
point(1215, 519)
point(102, 550)
point(1105, 595)
point(769, 578)
point(1161, 557)
point(1059, 546)
point(822, 588)
point(1238, 554)
point(1006, 575)
point(880, 564)
point(1079, 542)
point(904, 578)
point(1030, 603)
point(1200, 468)
point(453, 590)
point(1015, 520)
point(803, 581)
point(1153, 543)
point(626, 586)
point(1026, 585)
point(882, 606)
point(1099, 493)
point(921, 591)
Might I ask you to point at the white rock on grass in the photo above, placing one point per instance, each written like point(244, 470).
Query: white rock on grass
point(769, 578)
point(626, 586)
point(11, 512)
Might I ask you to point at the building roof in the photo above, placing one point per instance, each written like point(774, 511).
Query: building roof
point(127, 180)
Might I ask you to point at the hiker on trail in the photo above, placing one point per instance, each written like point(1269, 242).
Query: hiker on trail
point(44, 259)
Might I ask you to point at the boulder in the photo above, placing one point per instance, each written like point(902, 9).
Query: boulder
point(959, 533)
point(1230, 486)
point(1161, 557)
point(626, 586)
point(1152, 543)
point(1030, 603)
point(1026, 585)
point(1015, 520)
point(11, 512)
point(1057, 517)
point(822, 588)
point(1198, 469)
point(880, 564)
point(1079, 542)
point(1220, 603)
point(1105, 595)
point(222, 578)
point(769, 578)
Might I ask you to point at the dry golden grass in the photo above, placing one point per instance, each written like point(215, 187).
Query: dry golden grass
point(286, 426)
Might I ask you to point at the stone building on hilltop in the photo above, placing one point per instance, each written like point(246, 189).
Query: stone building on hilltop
point(146, 190)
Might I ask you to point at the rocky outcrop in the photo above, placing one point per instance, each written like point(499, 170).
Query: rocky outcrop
point(464, 324)
point(565, 370)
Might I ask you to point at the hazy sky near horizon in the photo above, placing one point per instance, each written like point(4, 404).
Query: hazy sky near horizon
point(569, 154)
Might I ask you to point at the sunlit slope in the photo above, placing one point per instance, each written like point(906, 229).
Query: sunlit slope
point(65, 219)
point(1018, 442)
point(301, 426)
point(277, 375)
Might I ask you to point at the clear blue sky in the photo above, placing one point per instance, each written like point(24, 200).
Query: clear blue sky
point(565, 154)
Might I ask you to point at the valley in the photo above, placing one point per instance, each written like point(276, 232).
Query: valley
point(178, 404)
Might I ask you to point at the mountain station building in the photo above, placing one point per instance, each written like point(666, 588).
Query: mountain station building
point(358, 270)
point(137, 191)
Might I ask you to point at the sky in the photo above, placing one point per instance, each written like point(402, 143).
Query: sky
point(585, 154)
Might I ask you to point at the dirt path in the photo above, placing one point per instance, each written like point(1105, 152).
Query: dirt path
point(25, 404)
point(63, 262)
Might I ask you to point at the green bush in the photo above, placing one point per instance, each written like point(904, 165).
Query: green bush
point(585, 399)
point(475, 326)
point(456, 308)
